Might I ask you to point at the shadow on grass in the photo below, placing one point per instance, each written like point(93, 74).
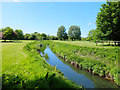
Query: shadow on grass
point(11, 42)
point(108, 45)
point(49, 82)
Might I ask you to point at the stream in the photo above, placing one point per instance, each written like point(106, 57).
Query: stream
point(81, 77)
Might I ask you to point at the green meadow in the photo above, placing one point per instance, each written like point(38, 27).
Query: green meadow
point(23, 67)
point(13, 53)
point(89, 44)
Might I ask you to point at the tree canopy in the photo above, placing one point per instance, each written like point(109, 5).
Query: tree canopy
point(9, 34)
point(108, 20)
point(74, 33)
point(61, 33)
point(19, 33)
point(95, 35)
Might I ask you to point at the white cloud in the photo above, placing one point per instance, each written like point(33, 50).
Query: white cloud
point(89, 23)
point(16, 0)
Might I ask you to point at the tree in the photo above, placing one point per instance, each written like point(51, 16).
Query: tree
point(90, 35)
point(37, 35)
point(26, 36)
point(32, 37)
point(53, 38)
point(74, 33)
point(61, 33)
point(20, 34)
point(1, 35)
point(65, 36)
point(4, 29)
point(9, 34)
point(108, 20)
point(95, 35)
point(44, 36)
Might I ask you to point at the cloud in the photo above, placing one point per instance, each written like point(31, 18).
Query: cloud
point(16, 0)
point(89, 23)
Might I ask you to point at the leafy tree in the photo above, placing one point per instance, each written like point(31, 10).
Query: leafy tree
point(4, 29)
point(32, 37)
point(65, 36)
point(15, 35)
point(9, 34)
point(95, 35)
point(74, 33)
point(53, 38)
point(44, 36)
point(90, 35)
point(37, 36)
point(61, 33)
point(48, 37)
point(20, 34)
point(108, 20)
point(1, 35)
point(26, 36)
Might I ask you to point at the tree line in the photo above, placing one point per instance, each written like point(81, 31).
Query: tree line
point(8, 33)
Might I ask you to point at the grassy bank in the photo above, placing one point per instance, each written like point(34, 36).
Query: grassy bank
point(99, 61)
point(23, 67)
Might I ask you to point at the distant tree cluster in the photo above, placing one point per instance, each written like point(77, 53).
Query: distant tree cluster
point(38, 36)
point(74, 33)
point(108, 23)
point(10, 34)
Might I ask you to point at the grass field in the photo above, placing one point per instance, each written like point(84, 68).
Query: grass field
point(87, 43)
point(13, 53)
point(23, 67)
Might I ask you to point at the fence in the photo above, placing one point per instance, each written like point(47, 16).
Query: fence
point(112, 43)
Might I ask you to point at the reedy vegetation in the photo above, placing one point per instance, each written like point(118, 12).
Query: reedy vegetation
point(100, 61)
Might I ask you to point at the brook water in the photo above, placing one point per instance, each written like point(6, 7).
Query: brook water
point(81, 77)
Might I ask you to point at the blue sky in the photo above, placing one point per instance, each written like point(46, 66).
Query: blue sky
point(46, 17)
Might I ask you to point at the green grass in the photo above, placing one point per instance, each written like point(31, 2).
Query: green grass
point(100, 61)
point(86, 43)
point(23, 67)
point(12, 53)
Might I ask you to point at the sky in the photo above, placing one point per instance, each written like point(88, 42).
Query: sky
point(47, 17)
